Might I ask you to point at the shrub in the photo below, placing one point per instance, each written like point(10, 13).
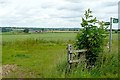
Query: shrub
point(92, 37)
point(26, 30)
point(116, 31)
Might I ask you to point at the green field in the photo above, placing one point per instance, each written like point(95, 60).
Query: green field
point(45, 36)
point(44, 56)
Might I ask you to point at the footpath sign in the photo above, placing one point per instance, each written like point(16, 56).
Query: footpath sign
point(112, 20)
point(107, 23)
point(115, 20)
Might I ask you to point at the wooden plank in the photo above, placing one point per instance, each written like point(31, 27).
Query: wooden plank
point(69, 56)
point(82, 50)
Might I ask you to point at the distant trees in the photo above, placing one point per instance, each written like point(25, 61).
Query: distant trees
point(26, 30)
point(4, 29)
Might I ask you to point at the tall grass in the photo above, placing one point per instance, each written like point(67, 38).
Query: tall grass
point(106, 65)
point(34, 57)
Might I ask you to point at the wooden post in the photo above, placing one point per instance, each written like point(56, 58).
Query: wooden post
point(110, 39)
point(69, 55)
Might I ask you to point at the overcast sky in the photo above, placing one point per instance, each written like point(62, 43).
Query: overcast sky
point(54, 13)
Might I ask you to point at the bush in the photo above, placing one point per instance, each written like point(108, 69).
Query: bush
point(92, 37)
point(107, 67)
point(116, 31)
point(26, 30)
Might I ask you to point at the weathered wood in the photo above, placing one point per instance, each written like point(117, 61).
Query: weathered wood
point(69, 58)
point(110, 38)
point(73, 61)
point(75, 51)
point(69, 47)
point(70, 55)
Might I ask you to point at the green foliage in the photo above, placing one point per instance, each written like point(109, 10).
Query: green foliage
point(92, 37)
point(6, 29)
point(26, 30)
point(106, 67)
point(116, 31)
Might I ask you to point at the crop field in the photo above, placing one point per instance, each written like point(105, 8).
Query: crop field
point(44, 55)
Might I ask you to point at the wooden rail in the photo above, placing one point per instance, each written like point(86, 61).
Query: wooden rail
point(74, 51)
point(73, 61)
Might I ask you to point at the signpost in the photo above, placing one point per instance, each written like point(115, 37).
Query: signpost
point(107, 23)
point(115, 20)
point(110, 40)
point(112, 20)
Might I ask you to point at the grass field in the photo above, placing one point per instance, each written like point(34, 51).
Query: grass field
point(44, 55)
point(45, 36)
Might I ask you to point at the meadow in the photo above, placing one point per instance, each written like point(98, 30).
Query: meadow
point(44, 55)
point(44, 36)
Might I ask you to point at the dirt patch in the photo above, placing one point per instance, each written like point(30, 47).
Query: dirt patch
point(6, 69)
point(0, 72)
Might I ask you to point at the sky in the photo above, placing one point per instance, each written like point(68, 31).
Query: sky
point(54, 13)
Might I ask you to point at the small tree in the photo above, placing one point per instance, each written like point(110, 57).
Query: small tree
point(91, 37)
point(26, 30)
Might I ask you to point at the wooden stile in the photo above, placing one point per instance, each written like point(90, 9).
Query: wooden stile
point(70, 53)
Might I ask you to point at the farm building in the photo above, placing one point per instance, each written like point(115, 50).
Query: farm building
point(35, 31)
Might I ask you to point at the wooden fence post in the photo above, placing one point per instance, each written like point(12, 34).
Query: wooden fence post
point(69, 58)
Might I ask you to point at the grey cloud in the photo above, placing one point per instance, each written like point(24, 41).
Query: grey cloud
point(74, 20)
point(74, 1)
point(66, 15)
point(71, 7)
point(46, 5)
point(70, 16)
point(65, 6)
point(2, 1)
point(68, 12)
point(108, 4)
